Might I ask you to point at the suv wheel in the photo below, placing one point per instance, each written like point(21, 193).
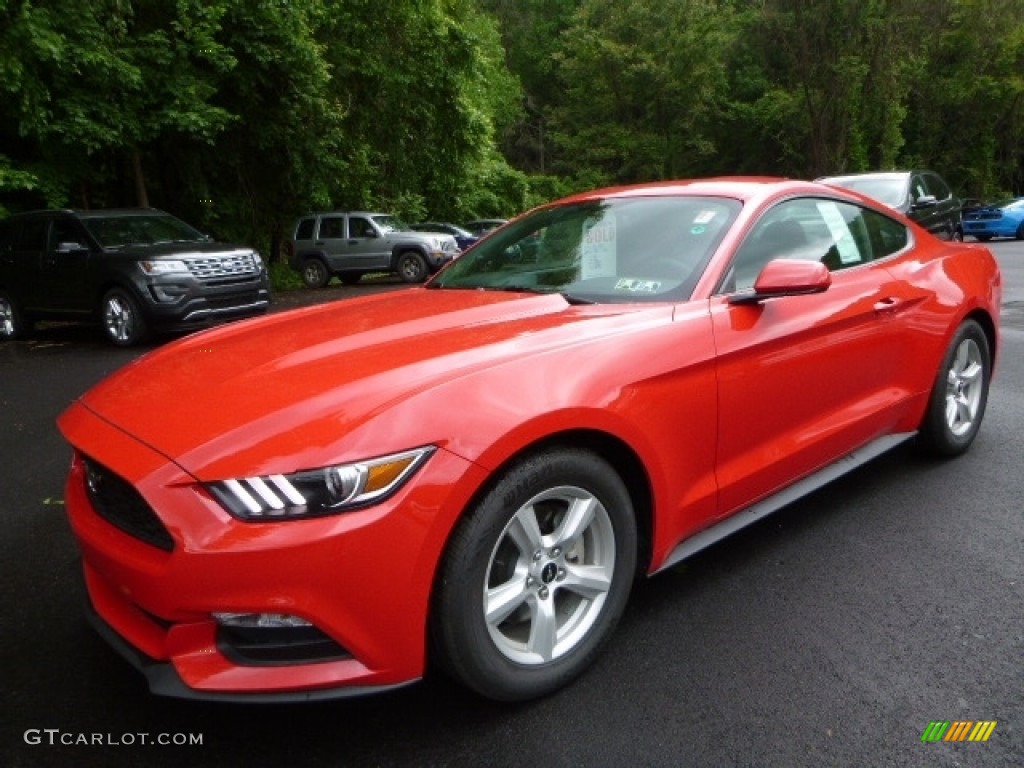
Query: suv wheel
point(12, 323)
point(314, 273)
point(411, 267)
point(123, 322)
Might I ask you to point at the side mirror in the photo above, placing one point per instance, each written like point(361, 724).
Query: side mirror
point(924, 201)
point(786, 277)
point(70, 247)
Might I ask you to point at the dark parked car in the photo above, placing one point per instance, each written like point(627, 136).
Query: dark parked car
point(481, 227)
point(463, 237)
point(1001, 219)
point(135, 270)
point(922, 196)
point(351, 244)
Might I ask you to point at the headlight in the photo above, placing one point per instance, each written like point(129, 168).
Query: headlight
point(257, 261)
point(163, 267)
point(315, 492)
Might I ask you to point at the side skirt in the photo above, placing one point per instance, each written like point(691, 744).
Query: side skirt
point(787, 495)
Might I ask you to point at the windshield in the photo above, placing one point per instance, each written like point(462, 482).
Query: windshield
point(390, 223)
point(118, 231)
point(629, 249)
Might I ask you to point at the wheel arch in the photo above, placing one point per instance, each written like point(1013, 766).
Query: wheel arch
point(605, 445)
point(111, 282)
point(984, 319)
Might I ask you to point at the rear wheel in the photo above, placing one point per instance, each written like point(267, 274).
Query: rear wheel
point(959, 394)
point(12, 322)
point(123, 322)
point(314, 273)
point(411, 267)
point(1020, 231)
point(536, 576)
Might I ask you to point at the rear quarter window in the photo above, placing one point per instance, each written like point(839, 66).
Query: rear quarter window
point(304, 229)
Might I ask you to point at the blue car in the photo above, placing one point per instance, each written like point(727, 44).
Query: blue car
point(1002, 219)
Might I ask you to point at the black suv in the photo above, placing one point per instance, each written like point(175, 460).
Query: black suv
point(133, 270)
point(922, 196)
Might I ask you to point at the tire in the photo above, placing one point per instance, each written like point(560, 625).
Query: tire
point(12, 322)
point(1020, 231)
point(350, 278)
point(315, 273)
point(959, 395)
point(411, 267)
point(123, 323)
point(957, 236)
point(527, 597)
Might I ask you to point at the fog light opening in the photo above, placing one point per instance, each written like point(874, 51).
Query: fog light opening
point(261, 620)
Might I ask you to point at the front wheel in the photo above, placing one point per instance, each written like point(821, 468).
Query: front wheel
point(960, 393)
point(123, 322)
point(1020, 231)
point(536, 576)
point(315, 274)
point(411, 267)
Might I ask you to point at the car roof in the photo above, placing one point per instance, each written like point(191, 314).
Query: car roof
point(868, 175)
point(743, 188)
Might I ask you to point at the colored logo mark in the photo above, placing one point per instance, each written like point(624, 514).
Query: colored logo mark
point(958, 730)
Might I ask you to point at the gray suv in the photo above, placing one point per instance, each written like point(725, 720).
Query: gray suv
point(134, 270)
point(351, 244)
point(922, 196)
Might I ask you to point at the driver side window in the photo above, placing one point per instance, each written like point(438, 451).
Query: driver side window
point(834, 233)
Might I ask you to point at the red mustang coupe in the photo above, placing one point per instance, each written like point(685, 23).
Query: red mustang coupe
point(304, 505)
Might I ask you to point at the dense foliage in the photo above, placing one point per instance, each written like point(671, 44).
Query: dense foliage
point(239, 114)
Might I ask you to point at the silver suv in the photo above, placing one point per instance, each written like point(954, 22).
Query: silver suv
point(351, 244)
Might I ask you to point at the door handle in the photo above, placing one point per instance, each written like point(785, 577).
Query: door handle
point(887, 306)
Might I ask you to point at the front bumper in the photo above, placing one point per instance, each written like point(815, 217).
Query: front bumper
point(363, 579)
point(184, 303)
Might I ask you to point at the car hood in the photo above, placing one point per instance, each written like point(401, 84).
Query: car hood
point(175, 250)
point(279, 393)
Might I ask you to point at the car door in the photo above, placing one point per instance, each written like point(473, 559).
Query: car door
point(367, 246)
point(926, 209)
point(947, 206)
point(66, 267)
point(28, 244)
point(332, 239)
point(804, 379)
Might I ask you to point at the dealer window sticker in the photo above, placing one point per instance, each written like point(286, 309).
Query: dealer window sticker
point(598, 256)
point(840, 231)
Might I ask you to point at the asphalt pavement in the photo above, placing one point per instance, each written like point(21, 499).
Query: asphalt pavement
point(830, 634)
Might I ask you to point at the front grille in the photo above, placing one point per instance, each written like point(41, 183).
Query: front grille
point(240, 264)
point(117, 502)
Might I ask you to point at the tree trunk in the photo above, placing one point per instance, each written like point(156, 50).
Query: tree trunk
point(141, 196)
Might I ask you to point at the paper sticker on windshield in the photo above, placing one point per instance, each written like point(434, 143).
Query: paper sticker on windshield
point(631, 285)
point(598, 254)
point(837, 227)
